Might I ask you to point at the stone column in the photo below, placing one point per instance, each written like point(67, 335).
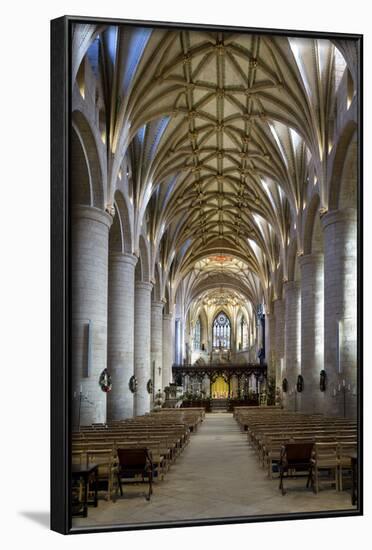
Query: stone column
point(157, 344)
point(182, 339)
point(292, 342)
point(312, 330)
point(279, 341)
point(142, 346)
point(121, 334)
point(168, 348)
point(340, 310)
point(178, 355)
point(253, 348)
point(259, 331)
point(270, 344)
point(90, 231)
point(233, 335)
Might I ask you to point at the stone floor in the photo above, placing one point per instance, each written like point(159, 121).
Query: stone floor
point(216, 476)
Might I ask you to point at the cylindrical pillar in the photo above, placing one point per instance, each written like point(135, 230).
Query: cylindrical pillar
point(177, 342)
point(182, 344)
point(90, 231)
point(157, 344)
point(270, 344)
point(292, 340)
point(259, 332)
point(121, 334)
point(312, 330)
point(279, 341)
point(142, 346)
point(168, 347)
point(340, 310)
point(233, 335)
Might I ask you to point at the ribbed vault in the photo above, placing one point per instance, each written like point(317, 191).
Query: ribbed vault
point(219, 140)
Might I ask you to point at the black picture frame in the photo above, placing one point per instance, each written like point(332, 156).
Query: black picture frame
point(61, 275)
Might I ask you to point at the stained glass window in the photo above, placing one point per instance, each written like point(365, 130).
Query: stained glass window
point(221, 331)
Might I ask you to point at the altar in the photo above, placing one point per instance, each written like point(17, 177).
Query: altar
point(219, 388)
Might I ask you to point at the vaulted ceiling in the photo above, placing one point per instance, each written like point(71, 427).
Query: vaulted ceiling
point(218, 138)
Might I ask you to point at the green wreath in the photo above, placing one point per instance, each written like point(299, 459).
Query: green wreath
point(133, 384)
point(105, 381)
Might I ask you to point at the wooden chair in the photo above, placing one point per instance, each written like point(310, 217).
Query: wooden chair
point(345, 449)
point(132, 463)
point(296, 457)
point(273, 455)
point(107, 468)
point(325, 459)
point(78, 458)
point(157, 454)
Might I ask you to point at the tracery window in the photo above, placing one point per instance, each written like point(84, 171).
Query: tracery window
point(197, 335)
point(221, 331)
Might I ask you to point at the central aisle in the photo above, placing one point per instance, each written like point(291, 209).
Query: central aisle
point(216, 476)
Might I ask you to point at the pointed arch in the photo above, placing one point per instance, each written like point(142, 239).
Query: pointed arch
point(349, 178)
point(143, 272)
point(156, 291)
point(125, 221)
point(348, 135)
point(292, 261)
point(95, 169)
point(82, 38)
point(167, 307)
point(80, 189)
point(313, 235)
